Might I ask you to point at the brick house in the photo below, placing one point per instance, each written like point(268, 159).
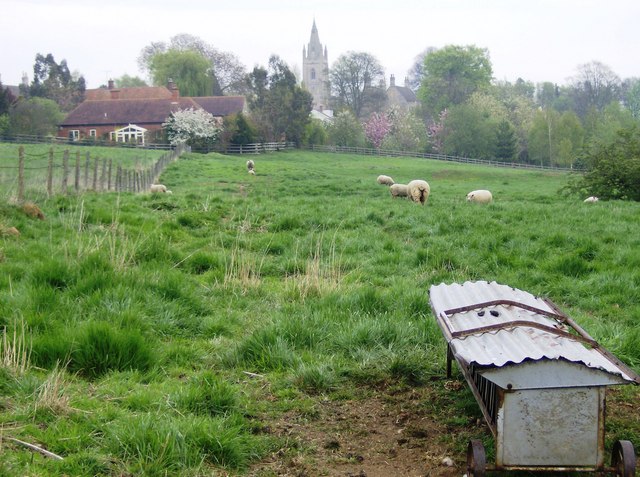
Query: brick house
point(136, 114)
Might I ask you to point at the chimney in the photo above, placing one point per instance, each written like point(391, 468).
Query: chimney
point(115, 93)
point(111, 84)
point(392, 81)
point(406, 82)
point(175, 92)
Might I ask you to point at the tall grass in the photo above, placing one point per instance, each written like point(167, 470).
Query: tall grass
point(322, 272)
point(16, 348)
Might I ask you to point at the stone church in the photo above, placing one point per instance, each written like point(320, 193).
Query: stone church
point(315, 71)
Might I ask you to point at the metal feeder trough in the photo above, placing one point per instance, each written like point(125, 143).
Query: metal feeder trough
point(538, 377)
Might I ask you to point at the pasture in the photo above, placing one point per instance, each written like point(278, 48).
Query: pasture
point(279, 324)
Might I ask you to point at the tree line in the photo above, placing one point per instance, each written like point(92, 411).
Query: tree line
point(462, 110)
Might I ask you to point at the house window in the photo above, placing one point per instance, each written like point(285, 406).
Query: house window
point(92, 133)
point(74, 134)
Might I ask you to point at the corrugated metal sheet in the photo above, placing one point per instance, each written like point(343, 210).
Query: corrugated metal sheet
point(512, 326)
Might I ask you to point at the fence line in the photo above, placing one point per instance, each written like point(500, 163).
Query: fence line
point(33, 139)
point(96, 171)
point(253, 148)
point(440, 157)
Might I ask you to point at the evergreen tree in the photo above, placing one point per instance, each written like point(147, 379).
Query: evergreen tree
point(506, 142)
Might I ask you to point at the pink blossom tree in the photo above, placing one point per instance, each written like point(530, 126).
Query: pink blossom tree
point(436, 131)
point(377, 128)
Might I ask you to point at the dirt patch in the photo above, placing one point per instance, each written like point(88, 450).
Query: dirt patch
point(409, 432)
point(388, 433)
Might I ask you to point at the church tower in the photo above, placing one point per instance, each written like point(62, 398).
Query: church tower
point(315, 71)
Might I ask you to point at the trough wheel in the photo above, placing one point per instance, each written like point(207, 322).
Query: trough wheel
point(623, 459)
point(476, 459)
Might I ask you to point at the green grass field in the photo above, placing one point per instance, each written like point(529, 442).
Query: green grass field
point(162, 334)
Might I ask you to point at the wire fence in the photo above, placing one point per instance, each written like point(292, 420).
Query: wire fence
point(440, 157)
point(60, 172)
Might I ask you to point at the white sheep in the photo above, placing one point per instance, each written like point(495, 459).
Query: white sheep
point(385, 180)
point(398, 190)
point(591, 199)
point(250, 165)
point(480, 196)
point(252, 172)
point(418, 191)
point(158, 188)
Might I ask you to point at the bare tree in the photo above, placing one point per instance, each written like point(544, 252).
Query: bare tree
point(355, 79)
point(594, 87)
point(416, 73)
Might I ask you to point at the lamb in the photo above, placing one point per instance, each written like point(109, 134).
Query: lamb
point(252, 172)
point(385, 180)
point(250, 166)
point(418, 191)
point(590, 200)
point(398, 190)
point(480, 196)
point(159, 188)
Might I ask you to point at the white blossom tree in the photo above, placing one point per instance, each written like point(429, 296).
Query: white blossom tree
point(195, 127)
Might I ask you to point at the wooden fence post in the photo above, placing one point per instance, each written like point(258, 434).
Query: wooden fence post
point(86, 171)
point(20, 173)
point(65, 173)
point(95, 173)
point(109, 176)
point(50, 174)
point(77, 179)
point(119, 179)
point(103, 172)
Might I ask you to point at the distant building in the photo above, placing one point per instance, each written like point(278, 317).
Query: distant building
point(315, 71)
point(401, 97)
point(136, 114)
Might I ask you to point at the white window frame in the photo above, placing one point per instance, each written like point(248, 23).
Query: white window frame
point(93, 133)
point(74, 134)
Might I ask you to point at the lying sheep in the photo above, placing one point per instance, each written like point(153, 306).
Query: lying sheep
point(418, 191)
point(250, 165)
point(398, 190)
point(252, 172)
point(385, 180)
point(159, 188)
point(591, 199)
point(480, 196)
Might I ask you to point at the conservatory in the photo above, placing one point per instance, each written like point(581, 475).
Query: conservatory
point(131, 134)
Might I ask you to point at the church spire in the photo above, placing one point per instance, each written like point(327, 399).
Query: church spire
point(315, 70)
point(315, 47)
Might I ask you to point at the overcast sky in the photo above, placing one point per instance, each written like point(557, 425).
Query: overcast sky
point(537, 40)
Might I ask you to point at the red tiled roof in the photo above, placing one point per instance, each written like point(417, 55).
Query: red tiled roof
point(138, 92)
point(221, 106)
point(126, 111)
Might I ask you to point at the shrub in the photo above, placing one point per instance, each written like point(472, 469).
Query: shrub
point(613, 168)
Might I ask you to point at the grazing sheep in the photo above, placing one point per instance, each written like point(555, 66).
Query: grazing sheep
point(32, 210)
point(385, 180)
point(252, 172)
point(250, 165)
point(591, 199)
point(398, 190)
point(480, 196)
point(158, 188)
point(418, 191)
